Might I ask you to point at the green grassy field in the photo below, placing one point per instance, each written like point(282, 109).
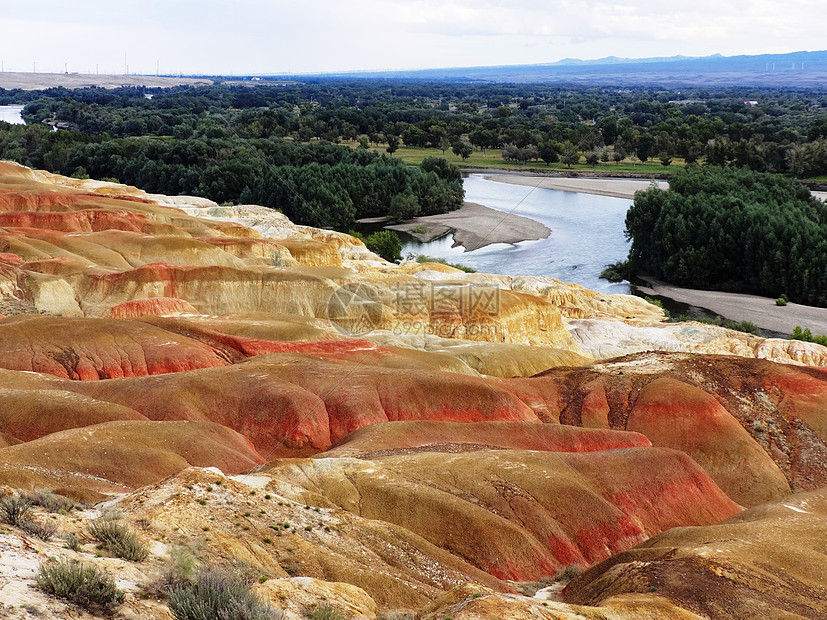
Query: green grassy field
point(492, 158)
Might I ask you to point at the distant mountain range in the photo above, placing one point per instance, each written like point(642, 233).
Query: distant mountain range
point(796, 69)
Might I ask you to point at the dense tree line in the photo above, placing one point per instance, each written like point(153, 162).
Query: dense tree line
point(785, 132)
point(732, 229)
point(319, 183)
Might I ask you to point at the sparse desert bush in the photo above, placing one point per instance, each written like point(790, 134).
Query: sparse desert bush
point(50, 502)
point(73, 541)
point(44, 531)
point(567, 573)
point(118, 538)
point(217, 594)
point(326, 612)
point(79, 583)
point(564, 574)
point(14, 509)
point(180, 568)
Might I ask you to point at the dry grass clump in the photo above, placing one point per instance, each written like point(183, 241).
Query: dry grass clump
point(218, 594)
point(79, 583)
point(51, 502)
point(118, 538)
point(15, 510)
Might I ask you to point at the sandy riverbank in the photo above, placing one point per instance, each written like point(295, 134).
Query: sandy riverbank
point(475, 226)
point(739, 307)
point(617, 188)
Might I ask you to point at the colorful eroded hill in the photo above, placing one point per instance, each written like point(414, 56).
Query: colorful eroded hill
point(388, 438)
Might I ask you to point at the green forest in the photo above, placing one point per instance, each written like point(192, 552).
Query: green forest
point(732, 229)
point(785, 131)
point(324, 151)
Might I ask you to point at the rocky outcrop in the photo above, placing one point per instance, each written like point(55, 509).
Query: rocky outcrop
point(755, 426)
point(764, 561)
point(471, 602)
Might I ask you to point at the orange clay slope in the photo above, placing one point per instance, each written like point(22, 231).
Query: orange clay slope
point(517, 515)
point(300, 404)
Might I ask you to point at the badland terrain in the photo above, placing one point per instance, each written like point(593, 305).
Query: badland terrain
point(368, 439)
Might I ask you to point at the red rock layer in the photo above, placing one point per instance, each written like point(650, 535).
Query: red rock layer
point(519, 515)
point(394, 438)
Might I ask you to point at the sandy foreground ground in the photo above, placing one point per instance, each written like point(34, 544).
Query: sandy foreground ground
point(739, 307)
point(618, 188)
point(39, 81)
point(475, 226)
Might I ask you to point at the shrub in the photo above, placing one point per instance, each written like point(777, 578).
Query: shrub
point(50, 502)
point(780, 302)
point(216, 594)
point(79, 583)
point(118, 538)
point(806, 335)
point(617, 272)
point(14, 509)
point(747, 327)
point(386, 244)
point(568, 572)
point(326, 612)
point(73, 541)
point(422, 258)
point(658, 303)
point(44, 531)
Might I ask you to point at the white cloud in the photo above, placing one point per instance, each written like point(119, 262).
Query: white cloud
point(319, 35)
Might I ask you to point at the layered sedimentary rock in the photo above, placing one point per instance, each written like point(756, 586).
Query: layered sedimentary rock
point(755, 426)
point(394, 438)
point(517, 515)
point(113, 457)
point(767, 561)
point(85, 248)
point(409, 437)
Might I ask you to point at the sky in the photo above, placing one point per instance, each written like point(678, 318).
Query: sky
point(309, 36)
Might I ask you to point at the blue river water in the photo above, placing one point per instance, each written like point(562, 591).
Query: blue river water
point(587, 233)
point(11, 114)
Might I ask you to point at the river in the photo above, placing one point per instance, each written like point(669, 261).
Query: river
point(12, 114)
point(587, 233)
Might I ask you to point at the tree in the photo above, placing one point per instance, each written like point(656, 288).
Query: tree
point(592, 158)
point(386, 244)
point(665, 160)
point(570, 155)
point(549, 151)
point(444, 144)
point(393, 144)
point(403, 207)
point(462, 149)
